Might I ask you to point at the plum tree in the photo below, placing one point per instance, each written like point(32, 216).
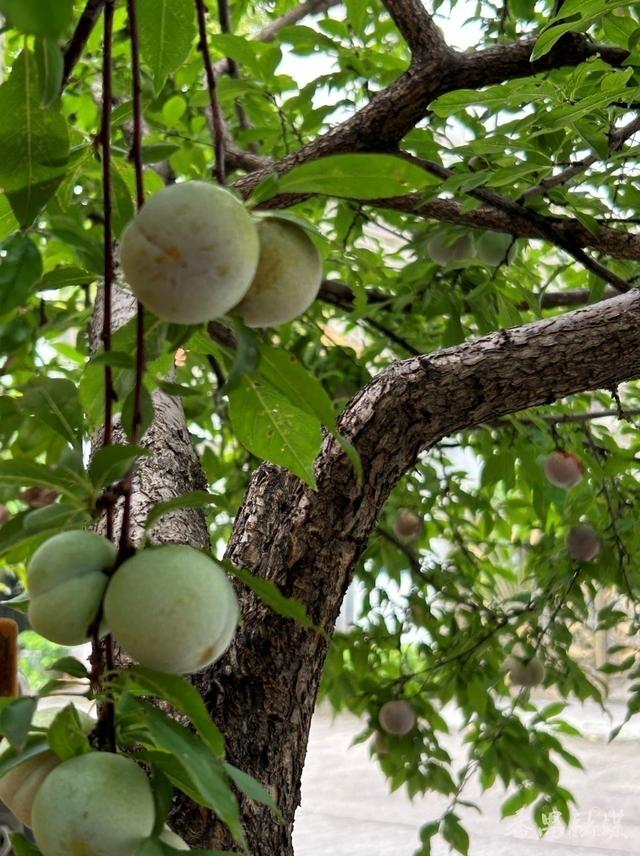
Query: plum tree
point(397, 717)
point(190, 254)
point(563, 469)
point(172, 608)
point(448, 252)
point(66, 580)
point(525, 672)
point(288, 276)
point(407, 524)
point(97, 804)
point(18, 787)
point(583, 542)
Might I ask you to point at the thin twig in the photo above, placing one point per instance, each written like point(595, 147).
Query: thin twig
point(217, 119)
point(77, 43)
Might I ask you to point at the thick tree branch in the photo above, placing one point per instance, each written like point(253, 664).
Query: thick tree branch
point(417, 27)
point(392, 113)
point(612, 242)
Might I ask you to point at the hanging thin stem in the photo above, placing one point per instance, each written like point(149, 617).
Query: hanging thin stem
point(217, 119)
point(136, 156)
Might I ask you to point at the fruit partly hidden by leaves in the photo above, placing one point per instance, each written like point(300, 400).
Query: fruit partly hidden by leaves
point(495, 248)
point(379, 743)
point(38, 497)
point(172, 608)
point(97, 804)
point(190, 254)
point(525, 673)
point(288, 277)
point(66, 580)
point(583, 543)
point(19, 787)
point(5, 514)
point(564, 469)
point(397, 717)
point(169, 837)
point(407, 524)
point(446, 252)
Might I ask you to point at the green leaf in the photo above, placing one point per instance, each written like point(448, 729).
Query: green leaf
point(167, 30)
point(21, 267)
point(247, 355)
point(182, 695)
point(156, 152)
point(146, 410)
point(454, 834)
point(583, 13)
point(271, 427)
point(22, 846)
point(66, 735)
point(112, 463)
point(199, 764)
point(22, 473)
point(357, 176)
point(34, 142)
point(64, 276)
point(193, 499)
point(270, 594)
point(20, 602)
point(11, 758)
point(60, 515)
point(15, 719)
point(48, 18)
point(70, 666)
point(50, 65)
point(55, 402)
point(253, 789)
point(285, 373)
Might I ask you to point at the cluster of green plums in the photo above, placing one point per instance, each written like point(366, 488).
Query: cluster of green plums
point(171, 608)
point(194, 253)
point(96, 804)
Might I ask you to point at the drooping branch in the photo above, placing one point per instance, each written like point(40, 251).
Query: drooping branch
point(417, 27)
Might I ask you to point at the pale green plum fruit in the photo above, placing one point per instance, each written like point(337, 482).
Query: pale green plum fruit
point(583, 543)
point(190, 254)
point(397, 717)
point(98, 804)
point(172, 608)
point(407, 524)
point(288, 277)
point(18, 787)
point(563, 469)
point(446, 252)
point(492, 247)
point(66, 582)
point(169, 837)
point(525, 673)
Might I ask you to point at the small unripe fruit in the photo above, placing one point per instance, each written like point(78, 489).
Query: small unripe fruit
point(98, 804)
point(583, 543)
point(288, 277)
point(169, 837)
point(495, 248)
point(190, 254)
point(172, 608)
point(19, 787)
point(38, 497)
point(445, 253)
point(66, 582)
point(525, 673)
point(564, 469)
point(379, 744)
point(5, 514)
point(407, 524)
point(397, 717)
